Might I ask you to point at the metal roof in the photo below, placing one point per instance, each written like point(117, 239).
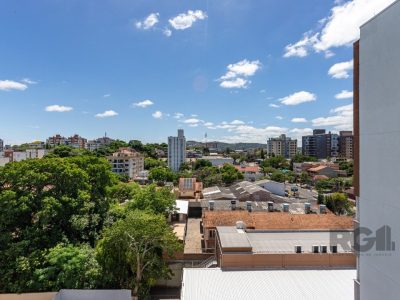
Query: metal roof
point(182, 206)
point(213, 283)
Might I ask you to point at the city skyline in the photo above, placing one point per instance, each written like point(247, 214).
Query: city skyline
point(142, 70)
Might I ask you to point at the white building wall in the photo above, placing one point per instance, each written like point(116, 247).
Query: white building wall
point(19, 156)
point(379, 150)
point(176, 151)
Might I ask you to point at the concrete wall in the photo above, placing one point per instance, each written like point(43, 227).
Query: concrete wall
point(262, 260)
point(28, 296)
point(379, 119)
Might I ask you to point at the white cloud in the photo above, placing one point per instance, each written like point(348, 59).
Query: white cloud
point(28, 81)
point(237, 122)
point(58, 108)
point(298, 133)
point(298, 98)
point(178, 115)
point(342, 118)
point(185, 20)
point(7, 85)
point(344, 94)
point(208, 124)
point(340, 28)
point(167, 32)
point(274, 105)
point(148, 22)
point(246, 133)
point(143, 104)
point(341, 70)
point(157, 114)
point(299, 120)
point(279, 117)
point(192, 121)
point(106, 114)
point(236, 74)
point(106, 95)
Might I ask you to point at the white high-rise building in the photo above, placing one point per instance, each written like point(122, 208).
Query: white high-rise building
point(176, 150)
point(1, 145)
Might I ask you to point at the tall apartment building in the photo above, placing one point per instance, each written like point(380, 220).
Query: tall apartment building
point(176, 150)
point(282, 146)
point(74, 141)
point(1, 145)
point(346, 144)
point(376, 155)
point(320, 144)
point(98, 143)
point(127, 162)
point(56, 140)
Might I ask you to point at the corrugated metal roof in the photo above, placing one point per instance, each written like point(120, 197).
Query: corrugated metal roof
point(200, 284)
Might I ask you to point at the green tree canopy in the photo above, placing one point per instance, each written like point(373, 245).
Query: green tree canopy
point(202, 163)
point(131, 252)
point(150, 163)
point(161, 174)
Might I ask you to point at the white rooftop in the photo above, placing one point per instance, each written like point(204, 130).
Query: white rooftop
point(182, 206)
point(213, 283)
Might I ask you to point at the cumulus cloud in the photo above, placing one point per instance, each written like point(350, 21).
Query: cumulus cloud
point(178, 115)
point(236, 74)
point(186, 20)
point(299, 120)
point(274, 105)
point(340, 28)
point(279, 117)
point(167, 32)
point(344, 94)
point(8, 85)
point(106, 95)
point(237, 122)
point(341, 70)
point(148, 22)
point(28, 81)
point(341, 118)
point(106, 114)
point(247, 133)
point(143, 104)
point(298, 98)
point(192, 121)
point(157, 114)
point(58, 108)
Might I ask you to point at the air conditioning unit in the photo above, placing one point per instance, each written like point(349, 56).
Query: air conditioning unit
point(248, 206)
point(285, 207)
point(297, 249)
point(270, 206)
point(323, 249)
point(233, 204)
point(334, 248)
point(211, 204)
point(315, 249)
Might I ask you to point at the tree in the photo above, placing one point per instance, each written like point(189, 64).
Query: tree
point(276, 162)
point(299, 158)
point(338, 203)
point(122, 191)
point(136, 145)
point(304, 177)
point(230, 174)
point(161, 174)
point(150, 163)
point(67, 151)
point(131, 252)
point(262, 154)
point(268, 170)
point(209, 176)
point(68, 267)
point(278, 176)
point(202, 163)
point(185, 167)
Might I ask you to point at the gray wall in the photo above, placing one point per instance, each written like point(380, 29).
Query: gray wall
point(380, 150)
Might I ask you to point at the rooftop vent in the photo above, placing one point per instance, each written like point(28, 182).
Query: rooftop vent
point(323, 249)
point(297, 249)
point(307, 208)
point(211, 204)
point(240, 225)
point(233, 204)
point(285, 207)
point(315, 249)
point(270, 206)
point(322, 209)
point(334, 248)
point(248, 206)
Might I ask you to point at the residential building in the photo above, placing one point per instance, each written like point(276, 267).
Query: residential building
point(176, 150)
point(1, 145)
point(76, 141)
point(376, 154)
point(218, 160)
point(56, 140)
point(346, 144)
point(299, 168)
point(320, 144)
point(4, 161)
point(98, 143)
point(190, 188)
point(19, 155)
point(250, 173)
point(37, 145)
point(127, 162)
point(322, 170)
point(282, 146)
point(241, 191)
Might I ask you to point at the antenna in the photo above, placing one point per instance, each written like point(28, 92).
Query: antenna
point(205, 137)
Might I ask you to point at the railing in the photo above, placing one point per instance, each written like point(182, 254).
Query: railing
point(206, 263)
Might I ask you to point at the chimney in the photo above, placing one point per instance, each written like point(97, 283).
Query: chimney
point(285, 207)
point(233, 204)
point(307, 208)
point(248, 206)
point(270, 206)
point(322, 209)
point(211, 204)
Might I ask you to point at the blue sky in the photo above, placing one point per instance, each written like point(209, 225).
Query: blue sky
point(242, 71)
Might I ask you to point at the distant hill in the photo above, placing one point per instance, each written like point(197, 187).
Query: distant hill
point(220, 146)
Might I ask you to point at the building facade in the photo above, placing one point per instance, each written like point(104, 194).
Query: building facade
point(282, 146)
point(98, 143)
point(376, 159)
point(346, 144)
point(320, 144)
point(127, 162)
point(1, 145)
point(74, 141)
point(176, 150)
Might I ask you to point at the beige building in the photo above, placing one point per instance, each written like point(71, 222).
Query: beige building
point(127, 161)
point(346, 144)
point(282, 146)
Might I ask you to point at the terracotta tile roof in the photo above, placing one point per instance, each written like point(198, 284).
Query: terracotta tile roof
point(320, 177)
point(276, 220)
point(317, 169)
point(253, 169)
